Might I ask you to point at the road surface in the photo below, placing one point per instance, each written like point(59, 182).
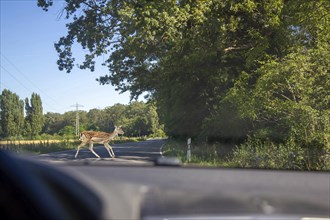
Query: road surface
point(133, 152)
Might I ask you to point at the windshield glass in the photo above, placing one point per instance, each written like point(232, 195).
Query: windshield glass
point(213, 83)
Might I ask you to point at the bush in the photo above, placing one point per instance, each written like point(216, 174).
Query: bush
point(256, 153)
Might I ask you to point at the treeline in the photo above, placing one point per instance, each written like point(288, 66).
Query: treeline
point(137, 119)
point(25, 119)
point(20, 118)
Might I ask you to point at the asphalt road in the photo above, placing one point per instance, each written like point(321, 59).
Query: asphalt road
point(133, 152)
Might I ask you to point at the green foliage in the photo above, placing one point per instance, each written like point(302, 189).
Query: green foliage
point(289, 99)
point(54, 122)
point(34, 119)
point(218, 69)
point(68, 131)
point(201, 154)
point(196, 47)
point(137, 119)
point(257, 153)
point(11, 114)
point(95, 119)
point(225, 125)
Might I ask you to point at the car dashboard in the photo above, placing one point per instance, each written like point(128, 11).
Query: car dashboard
point(101, 190)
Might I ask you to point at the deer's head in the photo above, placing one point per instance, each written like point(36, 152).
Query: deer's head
point(119, 130)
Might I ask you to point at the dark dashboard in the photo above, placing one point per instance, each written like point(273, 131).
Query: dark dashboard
point(101, 191)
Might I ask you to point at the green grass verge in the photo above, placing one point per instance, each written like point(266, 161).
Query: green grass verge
point(251, 154)
point(215, 155)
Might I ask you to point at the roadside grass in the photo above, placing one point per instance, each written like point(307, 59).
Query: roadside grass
point(48, 146)
point(251, 154)
point(214, 155)
point(40, 146)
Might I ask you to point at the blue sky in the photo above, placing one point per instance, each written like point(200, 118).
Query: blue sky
point(28, 61)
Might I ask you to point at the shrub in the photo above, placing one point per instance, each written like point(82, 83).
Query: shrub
point(256, 153)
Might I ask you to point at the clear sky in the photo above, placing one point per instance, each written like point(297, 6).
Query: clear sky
point(28, 61)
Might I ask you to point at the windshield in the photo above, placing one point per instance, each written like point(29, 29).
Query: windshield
point(213, 83)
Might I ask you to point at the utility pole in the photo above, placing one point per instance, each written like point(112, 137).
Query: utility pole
point(77, 117)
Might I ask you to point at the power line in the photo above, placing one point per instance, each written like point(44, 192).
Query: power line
point(22, 85)
point(16, 79)
point(19, 71)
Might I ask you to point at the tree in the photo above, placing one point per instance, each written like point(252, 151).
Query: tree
point(68, 131)
point(53, 123)
point(189, 55)
point(287, 96)
point(154, 127)
point(11, 114)
point(114, 114)
point(34, 119)
point(290, 102)
point(137, 118)
point(95, 119)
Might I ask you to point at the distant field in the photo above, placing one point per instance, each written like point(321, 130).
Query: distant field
point(18, 142)
point(38, 146)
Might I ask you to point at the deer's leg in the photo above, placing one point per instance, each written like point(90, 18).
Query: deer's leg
point(109, 147)
point(91, 149)
point(78, 148)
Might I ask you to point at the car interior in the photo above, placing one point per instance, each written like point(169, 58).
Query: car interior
point(99, 189)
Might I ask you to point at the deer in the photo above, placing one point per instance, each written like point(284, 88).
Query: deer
point(98, 137)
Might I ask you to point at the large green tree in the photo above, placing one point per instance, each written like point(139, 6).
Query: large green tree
point(190, 54)
point(34, 119)
point(11, 114)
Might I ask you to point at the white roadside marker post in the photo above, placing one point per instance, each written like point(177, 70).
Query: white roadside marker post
point(188, 150)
